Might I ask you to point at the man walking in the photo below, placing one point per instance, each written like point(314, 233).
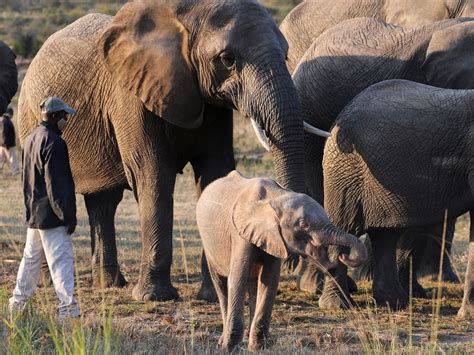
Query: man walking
point(7, 141)
point(50, 204)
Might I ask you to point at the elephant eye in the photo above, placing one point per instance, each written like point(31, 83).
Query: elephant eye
point(303, 224)
point(228, 59)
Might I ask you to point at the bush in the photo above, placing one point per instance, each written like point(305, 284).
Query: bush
point(26, 44)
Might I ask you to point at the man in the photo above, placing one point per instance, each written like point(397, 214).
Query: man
point(7, 141)
point(50, 204)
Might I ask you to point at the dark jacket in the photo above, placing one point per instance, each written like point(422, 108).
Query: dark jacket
point(7, 133)
point(48, 187)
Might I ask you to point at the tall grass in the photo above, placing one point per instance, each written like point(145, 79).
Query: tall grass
point(190, 308)
point(438, 292)
point(370, 334)
point(38, 330)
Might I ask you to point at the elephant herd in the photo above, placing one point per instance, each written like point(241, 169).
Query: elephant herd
point(155, 86)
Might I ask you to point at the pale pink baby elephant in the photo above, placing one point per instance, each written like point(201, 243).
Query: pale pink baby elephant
point(247, 227)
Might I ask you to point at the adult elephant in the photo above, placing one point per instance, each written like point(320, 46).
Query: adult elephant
point(401, 156)
point(360, 52)
point(8, 76)
point(307, 21)
point(154, 87)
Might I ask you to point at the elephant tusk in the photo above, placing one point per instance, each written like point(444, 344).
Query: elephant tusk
point(316, 131)
point(262, 138)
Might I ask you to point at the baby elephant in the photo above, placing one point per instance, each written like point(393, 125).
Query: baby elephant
point(247, 226)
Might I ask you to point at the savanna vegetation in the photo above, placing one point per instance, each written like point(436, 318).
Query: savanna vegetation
point(112, 322)
point(26, 24)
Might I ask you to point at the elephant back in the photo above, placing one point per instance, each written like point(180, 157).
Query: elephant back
point(392, 162)
point(69, 50)
point(68, 66)
point(355, 54)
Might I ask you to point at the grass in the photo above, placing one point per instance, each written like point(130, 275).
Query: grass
point(113, 322)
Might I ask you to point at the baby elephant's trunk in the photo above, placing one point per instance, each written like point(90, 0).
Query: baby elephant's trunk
point(335, 236)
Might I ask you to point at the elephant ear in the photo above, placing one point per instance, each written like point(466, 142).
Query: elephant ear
point(8, 76)
point(258, 223)
point(449, 59)
point(145, 48)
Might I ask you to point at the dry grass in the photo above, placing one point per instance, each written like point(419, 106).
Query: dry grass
point(188, 325)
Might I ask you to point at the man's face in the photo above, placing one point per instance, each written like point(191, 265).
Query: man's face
point(61, 120)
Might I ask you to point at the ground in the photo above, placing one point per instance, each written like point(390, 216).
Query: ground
point(113, 322)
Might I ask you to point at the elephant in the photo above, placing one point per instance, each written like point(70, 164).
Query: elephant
point(307, 21)
point(154, 87)
point(247, 226)
point(8, 76)
point(357, 53)
point(426, 134)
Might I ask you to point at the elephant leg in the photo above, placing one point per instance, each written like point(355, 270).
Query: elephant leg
point(467, 308)
point(215, 160)
point(386, 285)
point(409, 252)
point(155, 204)
point(45, 276)
point(431, 257)
point(365, 272)
point(267, 290)
point(101, 209)
point(220, 284)
point(149, 160)
point(237, 285)
point(252, 290)
point(314, 148)
point(336, 292)
point(311, 277)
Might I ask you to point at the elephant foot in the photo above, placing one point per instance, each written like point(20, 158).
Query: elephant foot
point(450, 276)
point(312, 279)
point(108, 277)
point(351, 285)
point(260, 343)
point(207, 293)
point(155, 292)
point(311, 283)
point(335, 301)
point(363, 273)
point(466, 312)
point(417, 290)
point(391, 298)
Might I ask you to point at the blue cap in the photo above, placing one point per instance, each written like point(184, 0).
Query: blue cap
point(55, 104)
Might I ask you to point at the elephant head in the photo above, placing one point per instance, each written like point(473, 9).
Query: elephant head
point(8, 76)
point(292, 222)
point(178, 55)
point(449, 61)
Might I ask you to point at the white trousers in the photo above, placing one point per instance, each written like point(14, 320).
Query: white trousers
point(9, 154)
point(56, 245)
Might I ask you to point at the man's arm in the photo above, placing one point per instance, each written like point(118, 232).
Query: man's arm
point(59, 183)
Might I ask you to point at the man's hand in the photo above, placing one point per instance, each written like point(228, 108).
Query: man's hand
point(70, 228)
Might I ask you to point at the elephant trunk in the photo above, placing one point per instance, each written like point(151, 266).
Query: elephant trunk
point(272, 102)
point(334, 236)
